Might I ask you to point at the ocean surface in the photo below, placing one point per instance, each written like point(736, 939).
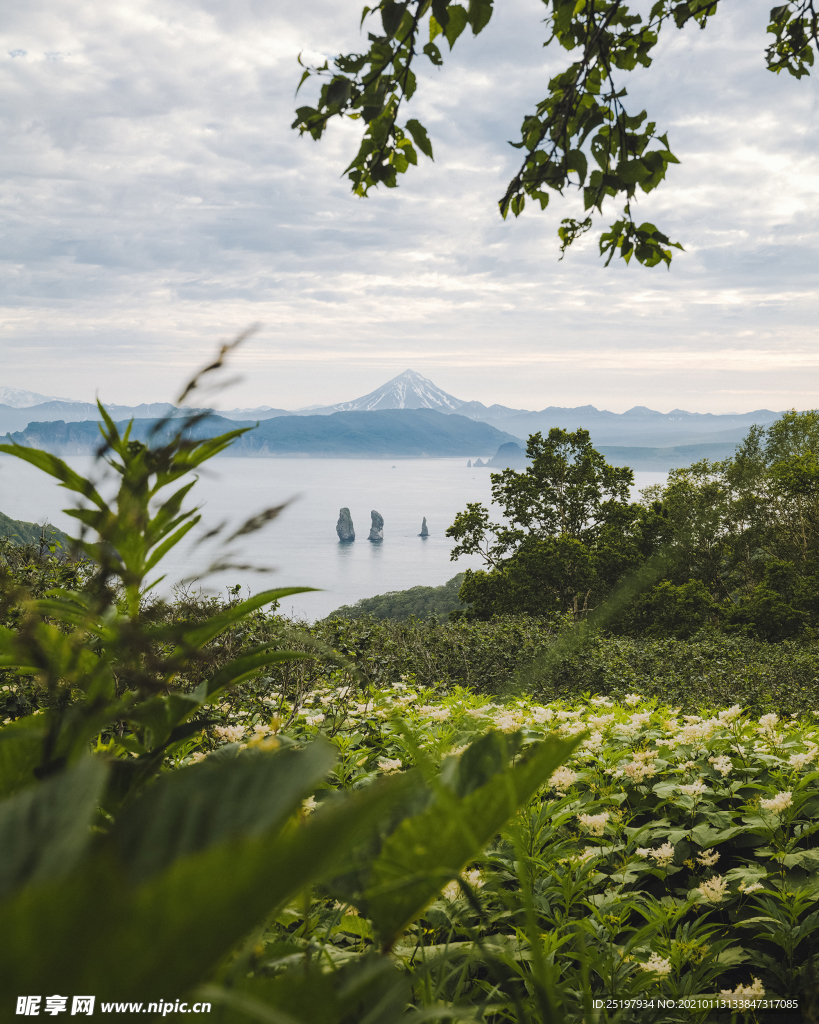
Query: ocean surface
point(300, 546)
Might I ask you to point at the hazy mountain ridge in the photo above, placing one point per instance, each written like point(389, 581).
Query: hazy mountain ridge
point(393, 433)
point(637, 427)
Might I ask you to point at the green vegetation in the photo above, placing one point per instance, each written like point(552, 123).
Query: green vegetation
point(19, 533)
point(417, 602)
point(580, 137)
point(202, 801)
point(731, 546)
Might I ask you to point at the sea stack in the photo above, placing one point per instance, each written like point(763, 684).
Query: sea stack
point(424, 531)
point(344, 526)
point(469, 464)
point(377, 528)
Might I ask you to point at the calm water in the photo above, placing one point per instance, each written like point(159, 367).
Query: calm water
point(301, 544)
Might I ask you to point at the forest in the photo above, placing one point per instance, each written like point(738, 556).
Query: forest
point(586, 794)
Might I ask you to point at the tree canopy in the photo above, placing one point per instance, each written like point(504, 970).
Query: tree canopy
point(581, 136)
point(733, 545)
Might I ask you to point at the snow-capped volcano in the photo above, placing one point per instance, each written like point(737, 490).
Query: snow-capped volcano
point(409, 390)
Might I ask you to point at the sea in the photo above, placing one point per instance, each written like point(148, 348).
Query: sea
point(299, 547)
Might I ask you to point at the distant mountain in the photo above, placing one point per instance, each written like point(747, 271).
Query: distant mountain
point(393, 433)
point(513, 456)
point(389, 433)
point(17, 399)
point(409, 390)
point(12, 418)
point(635, 428)
point(638, 427)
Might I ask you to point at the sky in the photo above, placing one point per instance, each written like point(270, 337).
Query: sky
point(154, 201)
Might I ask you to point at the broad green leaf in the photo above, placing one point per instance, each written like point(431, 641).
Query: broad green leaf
point(420, 137)
point(95, 932)
point(429, 849)
point(45, 828)
point(194, 808)
point(21, 747)
point(370, 990)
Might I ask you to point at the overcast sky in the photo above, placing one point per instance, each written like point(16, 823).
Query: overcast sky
point(155, 200)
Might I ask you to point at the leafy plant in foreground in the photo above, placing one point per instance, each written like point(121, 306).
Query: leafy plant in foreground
point(123, 879)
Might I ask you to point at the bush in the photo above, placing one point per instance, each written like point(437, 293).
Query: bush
point(417, 602)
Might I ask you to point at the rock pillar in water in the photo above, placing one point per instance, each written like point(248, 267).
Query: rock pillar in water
point(344, 526)
point(424, 531)
point(377, 528)
point(469, 464)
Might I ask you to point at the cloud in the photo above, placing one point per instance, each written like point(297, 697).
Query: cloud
point(155, 199)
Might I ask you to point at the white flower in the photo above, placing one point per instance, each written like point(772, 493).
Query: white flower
point(708, 858)
point(694, 789)
point(639, 770)
point(731, 714)
point(452, 890)
point(542, 715)
point(663, 855)
point(713, 890)
point(777, 803)
point(640, 719)
point(723, 765)
point(389, 765)
point(600, 721)
point(768, 722)
point(572, 728)
point(595, 823)
point(753, 991)
point(437, 714)
point(198, 756)
point(800, 760)
point(231, 733)
point(753, 887)
point(606, 703)
point(309, 805)
point(314, 719)
point(594, 742)
point(484, 712)
point(656, 963)
point(508, 721)
point(457, 751)
point(643, 851)
point(632, 699)
point(562, 779)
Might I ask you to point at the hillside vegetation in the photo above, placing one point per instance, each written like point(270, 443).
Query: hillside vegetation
point(418, 602)
point(516, 819)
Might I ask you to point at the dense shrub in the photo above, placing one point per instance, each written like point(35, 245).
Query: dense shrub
point(420, 602)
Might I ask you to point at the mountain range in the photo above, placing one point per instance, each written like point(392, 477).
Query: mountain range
point(389, 433)
point(637, 428)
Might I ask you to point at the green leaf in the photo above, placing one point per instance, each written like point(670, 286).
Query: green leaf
point(45, 829)
point(426, 851)
point(194, 808)
point(369, 990)
point(419, 137)
point(457, 22)
point(20, 752)
point(434, 54)
point(95, 932)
